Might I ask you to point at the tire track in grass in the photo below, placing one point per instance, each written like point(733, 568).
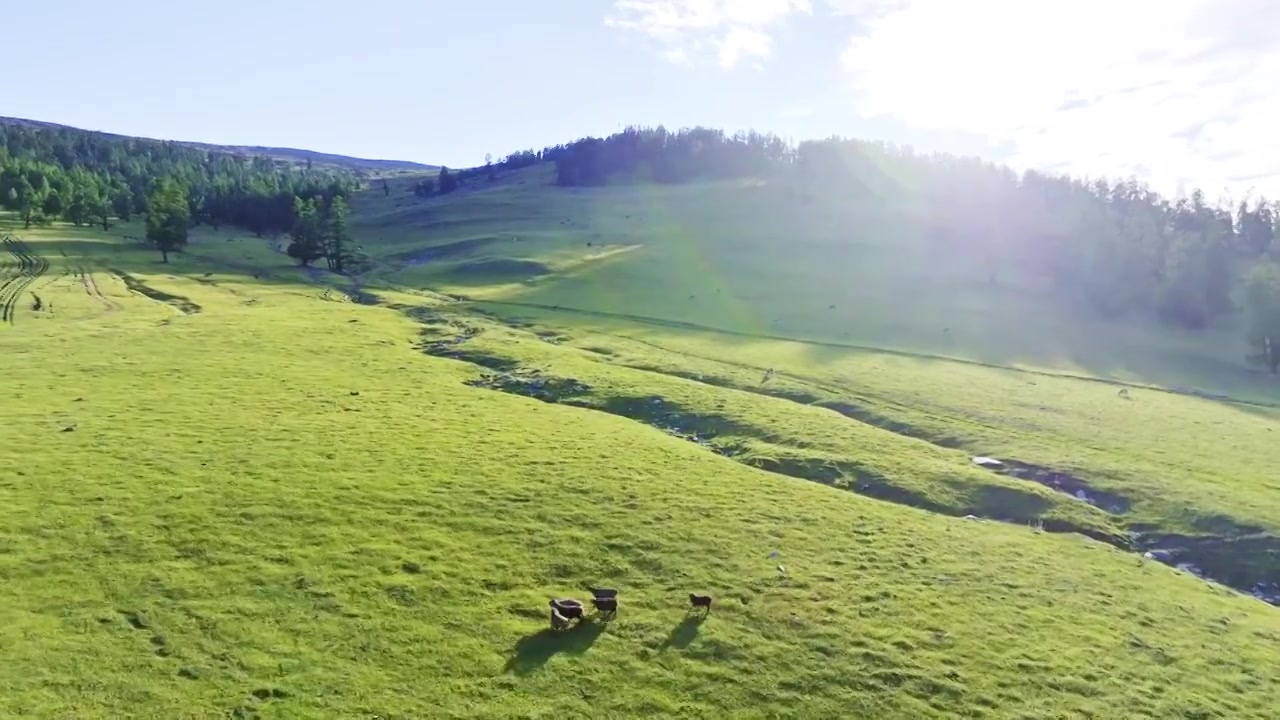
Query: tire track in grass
point(83, 276)
point(68, 271)
point(8, 275)
point(91, 288)
point(12, 290)
point(14, 268)
point(30, 268)
point(51, 279)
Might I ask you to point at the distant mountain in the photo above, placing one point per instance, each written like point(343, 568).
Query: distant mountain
point(284, 154)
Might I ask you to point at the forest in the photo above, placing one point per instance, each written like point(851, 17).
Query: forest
point(82, 177)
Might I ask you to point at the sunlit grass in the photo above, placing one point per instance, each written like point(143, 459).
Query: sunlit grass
point(752, 259)
point(279, 505)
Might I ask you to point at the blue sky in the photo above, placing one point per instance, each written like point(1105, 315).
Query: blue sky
point(1173, 91)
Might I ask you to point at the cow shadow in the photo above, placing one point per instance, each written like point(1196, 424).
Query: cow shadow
point(531, 652)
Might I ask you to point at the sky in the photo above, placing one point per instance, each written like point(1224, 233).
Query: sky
point(1177, 93)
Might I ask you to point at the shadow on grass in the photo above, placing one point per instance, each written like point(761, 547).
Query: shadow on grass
point(685, 633)
point(534, 651)
point(1188, 373)
point(87, 250)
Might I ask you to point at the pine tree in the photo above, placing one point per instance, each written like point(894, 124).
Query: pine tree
point(307, 239)
point(168, 218)
point(1262, 307)
point(122, 204)
point(80, 209)
point(52, 205)
point(448, 181)
point(28, 203)
point(338, 236)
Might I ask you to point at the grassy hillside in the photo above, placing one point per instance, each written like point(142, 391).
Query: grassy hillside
point(1169, 429)
point(747, 258)
point(234, 487)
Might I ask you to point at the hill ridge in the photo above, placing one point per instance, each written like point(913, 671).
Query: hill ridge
point(282, 153)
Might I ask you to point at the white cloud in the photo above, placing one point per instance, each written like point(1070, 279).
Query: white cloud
point(741, 42)
point(729, 30)
point(1176, 92)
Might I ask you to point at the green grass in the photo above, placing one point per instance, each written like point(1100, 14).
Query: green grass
point(280, 506)
point(1219, 462)
point(748, 258)
point(724, 280)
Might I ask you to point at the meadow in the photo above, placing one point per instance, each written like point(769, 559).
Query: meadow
point(745, 259)
point(230, 490)
point(727, 280)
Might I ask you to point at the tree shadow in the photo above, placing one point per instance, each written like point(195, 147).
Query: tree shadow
point(124, 246)
point(685, 633)
point(1075, 344)
point(533, 651)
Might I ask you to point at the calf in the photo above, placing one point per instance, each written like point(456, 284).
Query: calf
point(558, 621)
point(606, 606)
point(571, 609)
point(700, 601)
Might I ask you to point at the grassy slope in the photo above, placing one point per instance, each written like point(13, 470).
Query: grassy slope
point(664, 265)
point(747, 258)
point(278, 505)
point(1187, 463)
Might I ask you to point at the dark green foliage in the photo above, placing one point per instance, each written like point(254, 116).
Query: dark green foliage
point(669, 157)
point(448, 181)
point(424, 188)
point(27, 201)
point(122, 204)
point(1262, 306)
point(337, 235)
point(1257, 226)
point(307, 235)
point(97, 176)
point(168, 219)
point(36, 217)
point(52, 206)
point(521, 159)
point(87, 204)
point(321, 230)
